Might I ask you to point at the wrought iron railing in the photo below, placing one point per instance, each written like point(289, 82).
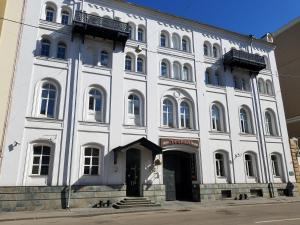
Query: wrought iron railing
point(244, 59)
point(103, 22)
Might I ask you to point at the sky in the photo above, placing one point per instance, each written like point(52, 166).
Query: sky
point(255, 17)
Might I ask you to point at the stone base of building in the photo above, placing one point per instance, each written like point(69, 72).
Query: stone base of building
point(209, 192)
point(155, 192)
point(55, 197)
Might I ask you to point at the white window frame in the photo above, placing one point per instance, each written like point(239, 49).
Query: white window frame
point(132, 118)
point(220, 165)
point(167, 113)
point(90, 165)
point(41, 98)
point(93, 114)
point(65, 13)
point(185, 117)
point(40, 164)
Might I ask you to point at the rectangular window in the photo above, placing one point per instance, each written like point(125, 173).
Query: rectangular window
point(91, 161)
point(41, 160)
point(65, 19)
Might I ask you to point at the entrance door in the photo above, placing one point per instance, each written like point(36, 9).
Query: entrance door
point(133, 163)
point(178, 175)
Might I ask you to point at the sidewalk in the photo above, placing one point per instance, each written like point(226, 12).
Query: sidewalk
point(167, 206)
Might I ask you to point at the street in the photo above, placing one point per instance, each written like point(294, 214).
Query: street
point(268, 214)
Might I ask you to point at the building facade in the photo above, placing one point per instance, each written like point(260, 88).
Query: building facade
point(10, 31)
point(111, 94)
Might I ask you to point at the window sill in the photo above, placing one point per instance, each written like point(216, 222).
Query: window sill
point(90, 122)
point(210, 59)
point(273, 136)
point(247, 135)
point(219, 132)
point(51, 59)
point(38, 176)
point(97, 67)
point(176, 80)
point(87, 175)
point(129, 72)
point(178, 129)
point(44, 119)
point(216, 86)
point(129, 126)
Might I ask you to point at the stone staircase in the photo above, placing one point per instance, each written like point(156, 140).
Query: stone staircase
point(134, 202)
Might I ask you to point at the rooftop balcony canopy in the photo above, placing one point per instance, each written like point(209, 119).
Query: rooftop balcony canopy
point(245, 60)
point(96, 26)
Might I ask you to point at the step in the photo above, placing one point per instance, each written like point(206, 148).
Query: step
point(133, 203)
point(136, 201)
point(135, 198)
point(117, 206)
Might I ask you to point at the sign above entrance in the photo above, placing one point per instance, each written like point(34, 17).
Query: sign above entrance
point(168, 141)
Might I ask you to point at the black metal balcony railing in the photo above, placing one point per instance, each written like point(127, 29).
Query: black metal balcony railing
point(88, 24)
point(249, 61)
point(82, 17)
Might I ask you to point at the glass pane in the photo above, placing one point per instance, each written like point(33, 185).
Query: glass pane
point(52, 94)
point(46, 150)
point(87, 161)
point(44, 170)
point(45, 160)
point(86, 170)
point(91, 103)
point(88, 151)
point(94, 170)
point(95, 161)
point(35, 170)
point(44, 93)
point(37, 150)
point(51, 104)
point(36, 160)
point(43, 107)
point(98, 105)
point(95, 152)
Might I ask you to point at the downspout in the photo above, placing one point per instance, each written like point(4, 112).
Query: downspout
point(73, 121)
point(262, 139)
point(12, 81)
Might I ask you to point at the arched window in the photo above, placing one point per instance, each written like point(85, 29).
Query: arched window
point(236, 83)
point(208, 79)
point(61, 50)
point(45, 47)
point(218, 79)
point(176, 41)
point(95, 102)
point(141, 35)
point(41, 160)
point(163, 40)
point(104, 58)
point(131, 30)
point(217, 117)
point(164, 69)
point(176, 71)
point(269, 87)
point(48, 100)
point(271, 128)
point(186, 73)
point(134, 110)
point(168, 113)
point(140, 65)
point(215, 52)
point(205, 49)
point(185, 117)
point(184, 45)
point(245, 121)
point(220, 165)
point(261, 86)
point(91, 161)
point(276, 165)
point(250, 165)
point(65, 16)
point(50, 14)
point(128, 63)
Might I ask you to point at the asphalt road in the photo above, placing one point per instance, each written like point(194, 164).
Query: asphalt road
point(275, 214)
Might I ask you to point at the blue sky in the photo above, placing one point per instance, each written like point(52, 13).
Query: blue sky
point(244, 16)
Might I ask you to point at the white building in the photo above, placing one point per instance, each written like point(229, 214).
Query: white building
point(180, 103)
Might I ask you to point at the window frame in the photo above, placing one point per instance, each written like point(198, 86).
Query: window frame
point(61, 45)
point(50, 10)
point(45, 43)
point(169, 114)
point(41, 98)
point(94, 114)
point(220, 165)
point(40, 164)
point(133, 118)
point(90, 165)
point(65, 17)
point(185, 117)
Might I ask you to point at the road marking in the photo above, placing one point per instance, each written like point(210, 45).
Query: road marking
point(271, 221)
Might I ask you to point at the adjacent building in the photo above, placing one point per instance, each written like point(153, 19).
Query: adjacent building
point(288, 62)
point(114, 97)
point(10, 32)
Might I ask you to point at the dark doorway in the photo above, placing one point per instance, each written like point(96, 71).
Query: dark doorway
point(133, 163)
point(179, 171)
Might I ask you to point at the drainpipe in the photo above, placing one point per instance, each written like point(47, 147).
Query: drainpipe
point(261, 135)
point(12, 80)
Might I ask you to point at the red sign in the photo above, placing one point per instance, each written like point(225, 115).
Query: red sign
point(167, 141)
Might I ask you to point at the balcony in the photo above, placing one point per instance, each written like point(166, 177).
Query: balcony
point(245, 60)
point(96, 26)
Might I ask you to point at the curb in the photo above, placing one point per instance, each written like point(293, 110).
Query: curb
point(92, 214)
point(88, 214)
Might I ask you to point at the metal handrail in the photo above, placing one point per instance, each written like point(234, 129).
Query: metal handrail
point(83, 17)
